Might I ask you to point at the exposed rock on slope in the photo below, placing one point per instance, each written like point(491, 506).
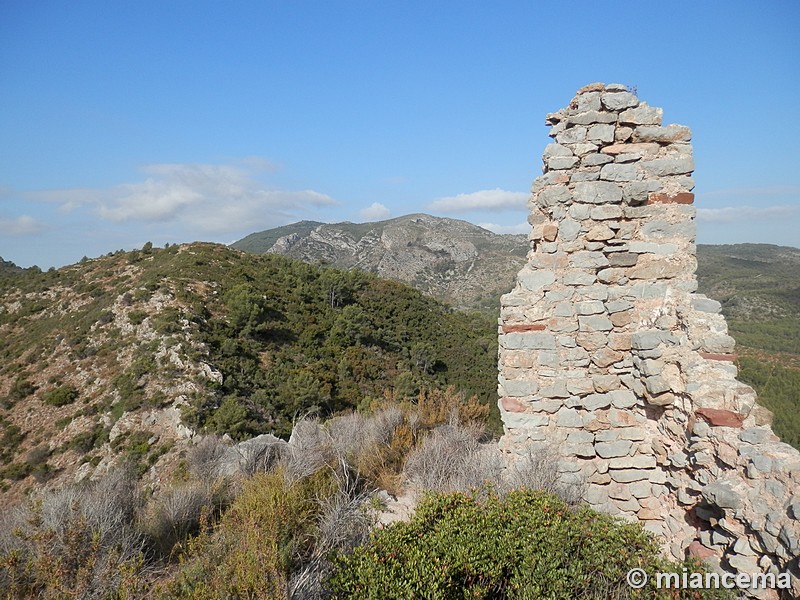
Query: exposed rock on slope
point(125, 356)
point(454, 261)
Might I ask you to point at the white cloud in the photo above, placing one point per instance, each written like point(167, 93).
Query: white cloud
point(774, 190)
point(495, 199)
point(260, 163)
point(23, 225)
point(375, 212)
point(517, 228)
point(211, 198)
point(730, 214)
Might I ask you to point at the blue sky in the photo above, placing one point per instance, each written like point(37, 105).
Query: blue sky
point(123, 122)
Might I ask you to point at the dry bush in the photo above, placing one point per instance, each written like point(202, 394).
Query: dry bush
point(78, 541)
point(436, 407)
point(452, 458)
point(260, 454)
point(343, 522)
point(205, 458)
point(347, 432)
point(538, 470)
point(310, 449)
point(353, 432)
point(175, 514)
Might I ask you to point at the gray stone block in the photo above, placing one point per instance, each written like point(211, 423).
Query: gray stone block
point(557, 389)
point(579, 278)
point(536, 280)
point(597, 192)
point(554, 195)
point(615, 306)
point(596, 401)
point(572, 135)
point(534, 340)
point(623, 259)
point(756, 435)
point(516, 420)
point(720, 493)
point(594, 160)
point(619, 172)
point(706, 305)
point(601, 133)
point(561, 163)
point(603, 213)
point(613, 449)
point(592, 116)
point(590, 307)
point(517, 388)
point(629, 475)
point(640, 461)
point(637, 192)
point(642, 115)
point(660, 167)
point(588, 260)
point(669, 133)
point(623, 398)
point(552, 150)
point(568, 417)
point(619, 100)
point(595, 323)
point(646, 340)
point(568, 229)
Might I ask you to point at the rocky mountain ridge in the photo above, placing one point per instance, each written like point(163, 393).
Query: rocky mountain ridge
point(470, 267)
point(454, 261)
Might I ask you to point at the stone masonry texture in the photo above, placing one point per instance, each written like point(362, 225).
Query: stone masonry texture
point(609, 358)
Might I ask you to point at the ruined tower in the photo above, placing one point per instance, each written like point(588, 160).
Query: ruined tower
point(610, 359)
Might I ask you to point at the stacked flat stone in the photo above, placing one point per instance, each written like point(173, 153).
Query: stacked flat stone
point(608, 357)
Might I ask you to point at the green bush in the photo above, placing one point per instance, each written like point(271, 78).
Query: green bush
point(60, 396)
point(16, 471)
point(258, 542)
point(137, 316)
point(525, 545)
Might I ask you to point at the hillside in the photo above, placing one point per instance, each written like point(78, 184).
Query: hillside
point(454, 261)
point(757, 284)
point(8, 268)
point(126, 355)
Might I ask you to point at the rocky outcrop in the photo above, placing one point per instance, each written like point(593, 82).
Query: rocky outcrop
point(608, 355)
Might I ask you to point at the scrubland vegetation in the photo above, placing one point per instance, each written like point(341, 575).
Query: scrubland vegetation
point(382, 393)
point(303, 520)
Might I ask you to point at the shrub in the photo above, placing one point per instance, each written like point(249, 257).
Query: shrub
point(85, 441)
point(21, 389)
point(538, 470)
point(205, 457)
point(74, 542)
point(526, 545)
point(60, 396)
point(175, 514)
point(452, 458)
point(16, 471)
point(10, 440)
point(261, 538)
point(136, 317)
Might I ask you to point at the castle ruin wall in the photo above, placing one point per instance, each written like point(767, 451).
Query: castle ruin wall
point(610, 358)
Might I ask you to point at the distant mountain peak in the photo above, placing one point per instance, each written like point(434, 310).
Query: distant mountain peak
point(450, 259)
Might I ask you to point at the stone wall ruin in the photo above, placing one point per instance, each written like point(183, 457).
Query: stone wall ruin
point(608, 355)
